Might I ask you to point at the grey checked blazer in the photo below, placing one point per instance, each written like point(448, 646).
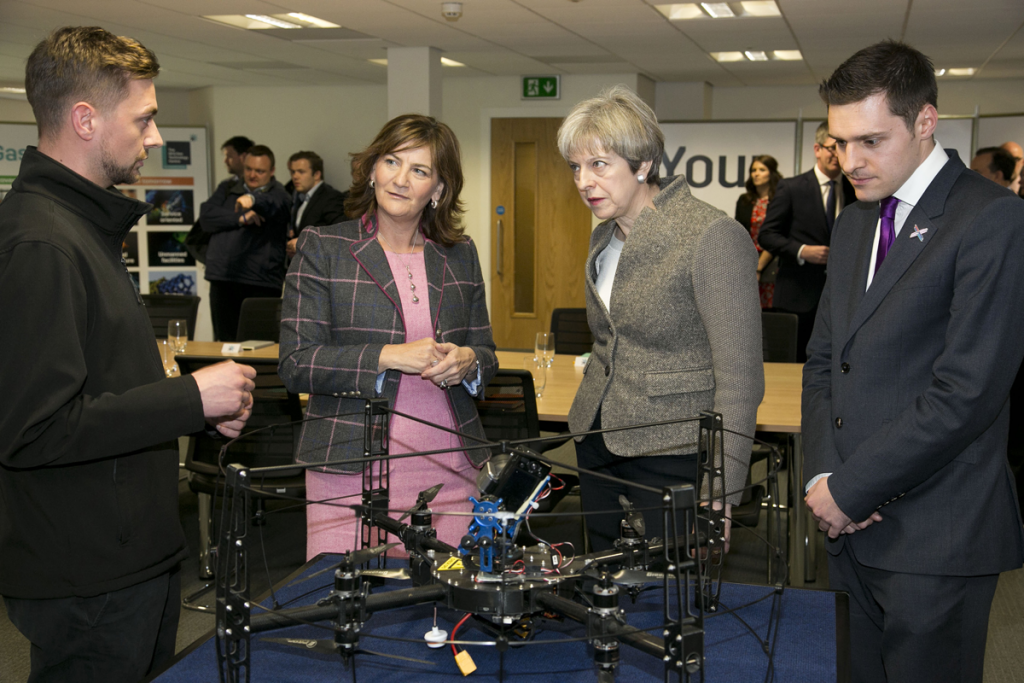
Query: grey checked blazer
point(341, 306)
point(683, 334)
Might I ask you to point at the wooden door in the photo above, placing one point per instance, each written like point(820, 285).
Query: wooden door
point(540, 231)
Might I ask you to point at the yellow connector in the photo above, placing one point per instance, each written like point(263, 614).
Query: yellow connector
point(465, 663)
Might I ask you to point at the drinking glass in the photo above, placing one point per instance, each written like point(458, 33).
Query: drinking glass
point(544, 347)
point(177, 334)
point(536, 367)
point(167, 353)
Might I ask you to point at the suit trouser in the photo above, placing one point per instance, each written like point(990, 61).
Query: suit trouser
point(123, 635)
point(906, 628)
point(601, 495)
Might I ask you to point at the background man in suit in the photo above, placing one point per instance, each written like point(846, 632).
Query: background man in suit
point(314, 202)
point(90, 540)
point(248, 222)
point(996, 164)
point(905, 403)
point(797, 228)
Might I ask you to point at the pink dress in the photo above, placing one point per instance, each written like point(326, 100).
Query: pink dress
point(334, 529)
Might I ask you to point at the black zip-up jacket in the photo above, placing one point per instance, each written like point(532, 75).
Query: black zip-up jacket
point(247, 254)
point(88, 456)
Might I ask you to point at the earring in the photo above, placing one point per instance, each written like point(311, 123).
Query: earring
point(640, 178)
point(433, 203)
point(371, 183)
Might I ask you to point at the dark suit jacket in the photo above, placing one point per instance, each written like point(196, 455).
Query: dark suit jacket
point(906, 384)
point(341, 306)
point(796, 216)
point(326, 207)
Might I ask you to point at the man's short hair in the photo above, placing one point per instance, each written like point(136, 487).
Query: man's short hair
point(316, 164)
point(905, 76)
point(1001, 161)
point(239, 143)
point(821, 134)
point(82, 64)
point(262, 151)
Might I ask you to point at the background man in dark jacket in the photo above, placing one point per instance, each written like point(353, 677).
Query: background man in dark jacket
point(314, 202)
point(90, 540)
point(248, 223)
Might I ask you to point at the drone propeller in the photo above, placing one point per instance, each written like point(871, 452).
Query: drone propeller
point(634, 518)
point(355, 557)
point(422, 500)
point(635, 577)
point(329, 647)
point(400, 574)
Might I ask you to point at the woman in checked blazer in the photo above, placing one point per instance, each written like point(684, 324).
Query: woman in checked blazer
point(672, 303)
point(391, 305)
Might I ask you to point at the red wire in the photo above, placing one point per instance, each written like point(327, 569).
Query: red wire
point(454, 630)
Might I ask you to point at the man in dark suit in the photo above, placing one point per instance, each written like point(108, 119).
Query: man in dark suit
point(797, 228)
point(314, 202)
point(905, 410)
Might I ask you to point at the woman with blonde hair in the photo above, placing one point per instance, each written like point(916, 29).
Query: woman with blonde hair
point(672, 304)
point(391, 304)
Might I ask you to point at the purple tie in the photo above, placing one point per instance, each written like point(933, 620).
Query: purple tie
point(887, 234)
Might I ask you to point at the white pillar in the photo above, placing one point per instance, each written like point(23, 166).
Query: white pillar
point(414, 81)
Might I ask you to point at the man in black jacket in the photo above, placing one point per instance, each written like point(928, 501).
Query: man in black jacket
point(248, 224)
point(90, 540)
point(314, 202)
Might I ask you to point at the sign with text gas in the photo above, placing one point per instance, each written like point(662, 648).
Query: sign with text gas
point(14, 138)
point(715, 156)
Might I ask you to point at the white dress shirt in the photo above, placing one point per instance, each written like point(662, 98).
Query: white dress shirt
point(305, 203)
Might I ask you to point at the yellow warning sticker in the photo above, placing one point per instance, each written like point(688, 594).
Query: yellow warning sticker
point(451, 564)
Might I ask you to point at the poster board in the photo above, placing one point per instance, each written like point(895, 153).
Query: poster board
point(176, 180)
point(715, 156)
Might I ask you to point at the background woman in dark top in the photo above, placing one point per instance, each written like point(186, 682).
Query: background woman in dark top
point(750, 210)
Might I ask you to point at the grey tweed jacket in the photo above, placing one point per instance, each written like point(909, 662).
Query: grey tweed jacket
point(341, 306)
point(683, 333)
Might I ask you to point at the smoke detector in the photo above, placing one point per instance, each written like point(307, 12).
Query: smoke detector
point(451, 11)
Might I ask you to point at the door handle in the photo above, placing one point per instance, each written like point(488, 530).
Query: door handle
point(500, 249)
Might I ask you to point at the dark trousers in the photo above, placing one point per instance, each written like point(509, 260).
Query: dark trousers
point(601, 496)
point(906, 628)
point(120, 636)
point(226, 304)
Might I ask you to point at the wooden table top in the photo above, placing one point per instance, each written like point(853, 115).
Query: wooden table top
point(778, 412)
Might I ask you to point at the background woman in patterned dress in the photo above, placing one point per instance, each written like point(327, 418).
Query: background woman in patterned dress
point(750, 210)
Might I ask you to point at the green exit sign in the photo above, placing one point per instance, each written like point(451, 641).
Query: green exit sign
point(542, 87)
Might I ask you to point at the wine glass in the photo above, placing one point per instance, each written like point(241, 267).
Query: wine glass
point(167, 353)
point(544, 348)
point(536, 367)
point(177, 334)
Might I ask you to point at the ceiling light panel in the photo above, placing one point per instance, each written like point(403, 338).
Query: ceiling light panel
point(760, 8)
point(756, 55)
point(272, 21)
point(444, 62)
point(307, 19)
point(961, 72)
point(728, 56)
point(680, 11)
point(718, 10)
point(787, 55)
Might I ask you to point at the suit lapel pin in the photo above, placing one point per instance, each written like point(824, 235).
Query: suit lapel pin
point(918, 233)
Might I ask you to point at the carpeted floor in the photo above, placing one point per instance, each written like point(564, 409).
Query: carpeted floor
point(284, 542)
